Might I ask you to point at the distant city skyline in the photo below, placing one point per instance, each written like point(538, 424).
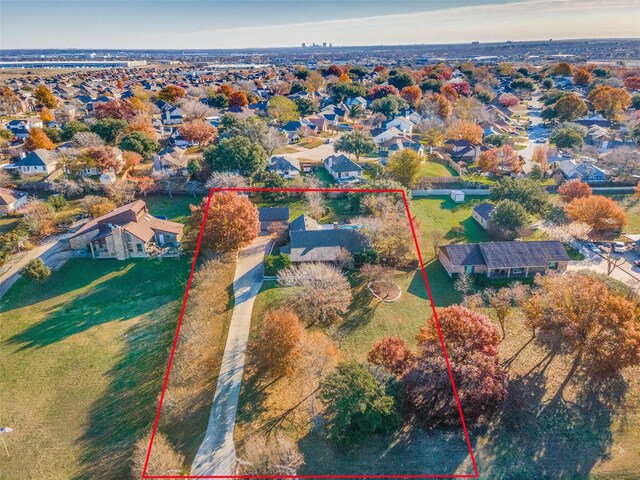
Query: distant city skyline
point(215, 24)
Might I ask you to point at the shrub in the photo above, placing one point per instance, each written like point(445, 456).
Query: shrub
point(274, 263)
point(36, 270)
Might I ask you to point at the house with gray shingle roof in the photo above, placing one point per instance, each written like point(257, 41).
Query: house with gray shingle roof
point(37, 162)
point(285, 167)
point(504, 259)
point(342, 167)
point(482, 214)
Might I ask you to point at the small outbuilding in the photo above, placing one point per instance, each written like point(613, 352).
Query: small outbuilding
point(457, 196)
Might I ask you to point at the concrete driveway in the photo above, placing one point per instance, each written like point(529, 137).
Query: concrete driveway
point(317, 154)
point(217, 455)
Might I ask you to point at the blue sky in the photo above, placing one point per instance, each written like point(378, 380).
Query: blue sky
point(212, 24)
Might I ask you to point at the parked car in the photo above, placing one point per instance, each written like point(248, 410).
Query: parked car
point(540, 140)
point(619, 247)
point(594, 248)
point(636, 263)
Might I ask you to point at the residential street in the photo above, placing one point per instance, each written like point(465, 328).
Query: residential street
point(217, 455)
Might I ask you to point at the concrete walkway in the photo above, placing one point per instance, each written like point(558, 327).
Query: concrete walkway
point(217, 455)
point(46, 251)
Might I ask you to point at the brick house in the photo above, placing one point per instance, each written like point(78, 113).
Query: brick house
point(129, 231)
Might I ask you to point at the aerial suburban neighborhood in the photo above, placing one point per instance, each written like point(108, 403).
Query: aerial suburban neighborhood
point(319, 261)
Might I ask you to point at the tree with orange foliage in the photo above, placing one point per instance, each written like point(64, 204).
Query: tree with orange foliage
point(449, 92)
point(225, 89)
point(488, 162)
point(278, 347)
point(44, 97)
point(172, 93)
point(580, 313)
point(442, 106)
point(539, 156)
point(563, 69)
point(198, 131)
point(581, 77)
point(472, 345)
point(138, 105)
point(573, 189)
point(509, 159)
point(131, 159)
point(120, 84)
point(232, 222)
point(142, 123)
point(637, 190)
point(38, 139)
point(461, 130)
point(392, 354)
point(600, 213)
point(345, 78)
point(238, 99)
point(145, 184)
point(611, 101)
point(412, 94)
point(46, 115)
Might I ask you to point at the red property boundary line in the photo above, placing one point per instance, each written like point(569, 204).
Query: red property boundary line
point(433, 309)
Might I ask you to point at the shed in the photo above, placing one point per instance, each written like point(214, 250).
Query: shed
point(457, 196)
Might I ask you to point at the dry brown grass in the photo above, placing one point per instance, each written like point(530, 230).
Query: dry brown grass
point(199, 351)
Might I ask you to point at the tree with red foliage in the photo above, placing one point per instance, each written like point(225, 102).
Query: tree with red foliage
point(198, 131)
point(412, 94)
point(232, 222)
point(379, 91)
point(334, 70)
point(172, 93)
point(462, 88)
point(392, 354)
point(103, 158)
point(472, 345)
point(581, 315)
point(118, 109)
point(38, 139)
point(145, 184)
point(632, 83)
point(238, 99)
point(573, 189)
point(508, 100)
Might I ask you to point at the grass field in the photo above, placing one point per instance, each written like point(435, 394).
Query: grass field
point(83, 356)
point(435, 169)
point(175, 208)
point(631, 205)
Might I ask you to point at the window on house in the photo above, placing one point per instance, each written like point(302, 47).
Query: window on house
point(553, 266)
point(139, 247)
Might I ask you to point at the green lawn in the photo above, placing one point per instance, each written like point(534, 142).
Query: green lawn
point(443, 214)
point(7, 224)
point(435, 169)
point(631, 205)
point(83, 358)
point(175, 208)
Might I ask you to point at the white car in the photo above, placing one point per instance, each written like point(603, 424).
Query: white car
point(594, 248)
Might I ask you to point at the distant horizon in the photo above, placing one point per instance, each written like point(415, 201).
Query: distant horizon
point(269, 24)
point(309, 47)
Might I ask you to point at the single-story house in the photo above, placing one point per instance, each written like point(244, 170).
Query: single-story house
point(381, 135)
point(269, 216)
point(504, 259)
point(129, 231)
point(464, 150)
point(37, 162)
point(285, 167)
point(313, 242)
point(11, 200)
point(482, 214)
point(584, 169)
point(342, 167)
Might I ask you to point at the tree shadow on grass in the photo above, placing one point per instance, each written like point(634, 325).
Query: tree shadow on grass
point(119, 298)
point(361, 311)
point(440, 283)
point(557, 439)
point(126, 410)
point(406, 451)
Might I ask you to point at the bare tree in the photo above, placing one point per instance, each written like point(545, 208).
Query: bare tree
point(86, 139)
point(613, 261)
point(226, 180)
point(463, 283)
point(323, 294)
point(436, 237)
point(122, 191)
point(272, 139)
point(275, 455)
point(196, 110)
